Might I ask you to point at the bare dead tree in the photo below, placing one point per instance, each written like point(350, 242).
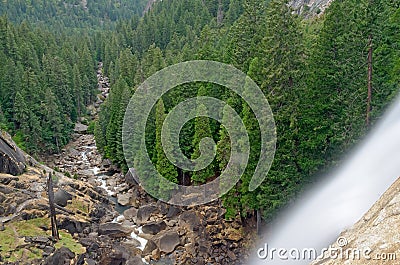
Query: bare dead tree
point(50, 192)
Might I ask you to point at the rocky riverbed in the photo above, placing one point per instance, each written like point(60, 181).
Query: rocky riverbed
point(160, 232)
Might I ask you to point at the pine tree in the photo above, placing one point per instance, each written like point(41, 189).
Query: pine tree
point(77, 90)
point(201, 130)
point(113, 131)
point(164, 166)
point(282, 66)
point(246, 35)
point(21, 113)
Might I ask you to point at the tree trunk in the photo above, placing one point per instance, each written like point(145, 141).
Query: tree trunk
point(258, 222)
point(369, 98)
point(50, 192)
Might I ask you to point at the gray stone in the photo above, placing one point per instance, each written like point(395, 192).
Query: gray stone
point(12, 159)
point(62, 256)
point(145, 212)
point(168, 241)
point(61, 197)
point(135, 261)
point(124, 199)
point(190, 220)
point(80, 128)
point(130, 213)
point(148, 249)
point(154, 228)
point(113, 230)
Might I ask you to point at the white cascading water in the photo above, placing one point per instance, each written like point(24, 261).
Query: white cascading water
point(339, 201)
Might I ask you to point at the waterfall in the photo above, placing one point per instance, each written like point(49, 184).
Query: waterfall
point(339, 200)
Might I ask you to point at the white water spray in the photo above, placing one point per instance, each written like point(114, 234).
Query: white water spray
point(316, 219)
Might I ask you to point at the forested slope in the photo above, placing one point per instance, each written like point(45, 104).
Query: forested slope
point(327, 79)
point(314, 73)
point(72, 13)
point(45, 82)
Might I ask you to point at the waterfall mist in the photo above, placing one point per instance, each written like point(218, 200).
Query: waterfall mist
point(316, 219)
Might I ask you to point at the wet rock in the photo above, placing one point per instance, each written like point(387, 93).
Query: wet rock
point(377, 231)
point(113, 230)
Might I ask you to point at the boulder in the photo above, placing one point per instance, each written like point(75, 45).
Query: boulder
point(212, 215)
point(106, 163)
point(173, 212)
point(71, 225)
point(61, 197)
point(148, 249)
point(62, 256)
point(145, 212)
point(189, 220)
point(124, 199)
point(168, 241)
point(135, 261)
point(154, 228)
point(114, 230)
point(131, 177)
point(12, 159)
point(74, 153)
point(130, 213)
point(80, 128)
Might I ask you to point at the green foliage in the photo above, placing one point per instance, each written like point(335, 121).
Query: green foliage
point(163, 165)
point(201, 130)
point(313, 72)
point(39, 98)
point(91, 127)
point(73, 14)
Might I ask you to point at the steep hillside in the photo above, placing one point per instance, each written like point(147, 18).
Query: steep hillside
point(72, 13)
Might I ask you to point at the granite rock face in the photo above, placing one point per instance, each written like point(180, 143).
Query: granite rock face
point(12, 159)
point(375, 238)
point(311, 7)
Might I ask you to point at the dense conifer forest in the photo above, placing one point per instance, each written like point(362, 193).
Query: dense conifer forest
point(327, 77)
